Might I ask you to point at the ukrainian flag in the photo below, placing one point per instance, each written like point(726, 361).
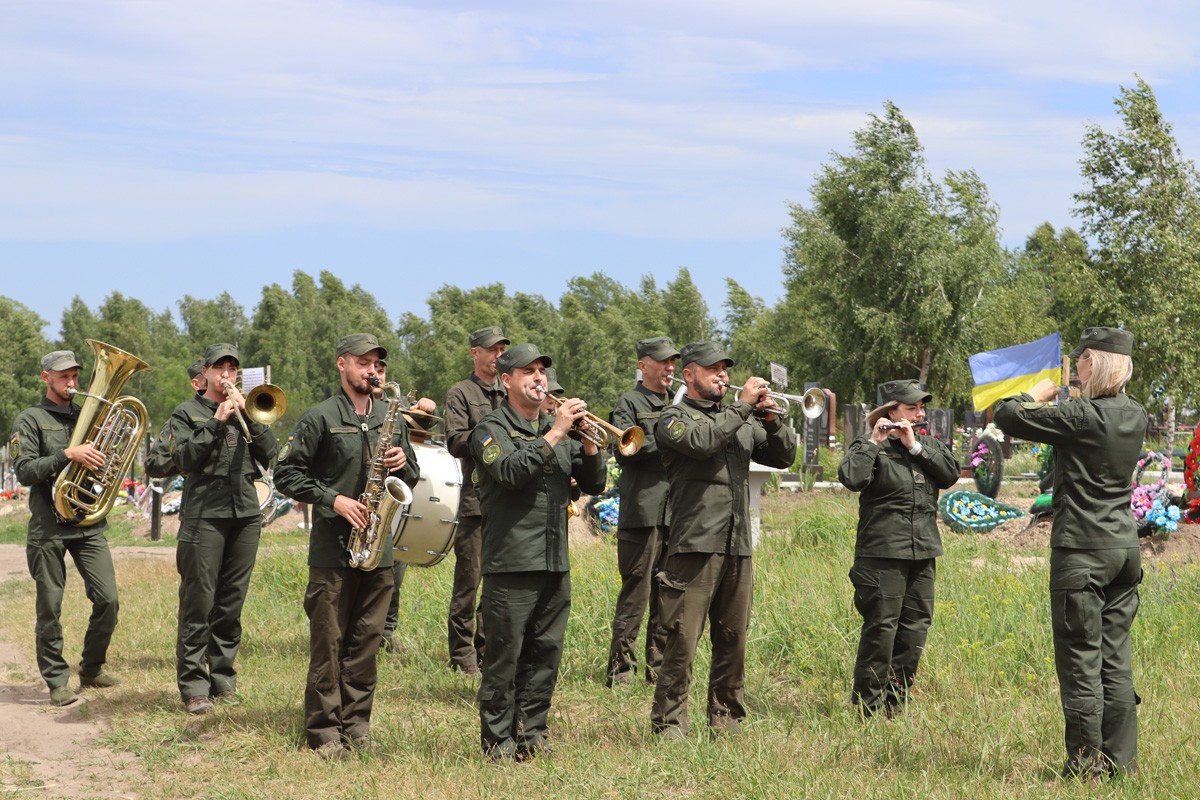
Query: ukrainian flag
point(1012, 370)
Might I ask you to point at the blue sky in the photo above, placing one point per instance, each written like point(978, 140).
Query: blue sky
point(184, 147)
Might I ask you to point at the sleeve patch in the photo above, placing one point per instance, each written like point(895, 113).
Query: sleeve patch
point(676, 428)
point(491, 452)
point(287, 448)
point(14, 445)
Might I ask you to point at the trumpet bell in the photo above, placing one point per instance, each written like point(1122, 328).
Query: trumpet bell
point(265, 404)
point(631, 440)
point(813, 403)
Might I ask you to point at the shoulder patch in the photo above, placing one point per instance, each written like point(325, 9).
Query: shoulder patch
point(676, 428)
point(1032, 406)
point(14, 446)
point(287, 448)
point(491, 453)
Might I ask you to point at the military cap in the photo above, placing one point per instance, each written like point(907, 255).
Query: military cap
point(705, 354)
point(195, 369)
point(1113, 340)
point(59, 360)
point(216, 352)
point(357, 344)
point(487, 337)
point(660, 348)
point(908, 391)
point(552, 384)
point(520, 356)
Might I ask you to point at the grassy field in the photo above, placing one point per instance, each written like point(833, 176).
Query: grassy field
point(984, 723)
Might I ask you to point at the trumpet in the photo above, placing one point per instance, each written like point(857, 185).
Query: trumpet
point(600, 432)
point(265, 405)
point(812, 402)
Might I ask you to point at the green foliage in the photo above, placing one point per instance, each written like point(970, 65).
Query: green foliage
point(1142, 210)
point(21, 349)
point(886, 271)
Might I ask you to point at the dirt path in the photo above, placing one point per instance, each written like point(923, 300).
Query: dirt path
point(48, 752)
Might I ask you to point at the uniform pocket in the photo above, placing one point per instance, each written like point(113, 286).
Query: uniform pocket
point(1074, 605)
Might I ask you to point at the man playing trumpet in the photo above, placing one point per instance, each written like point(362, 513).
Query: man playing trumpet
point(707, 448)
point(220, 523)
point(524, 465)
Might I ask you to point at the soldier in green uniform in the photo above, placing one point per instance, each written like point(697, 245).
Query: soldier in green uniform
point(706, 448)
point(1095, 562)
point(39, 451)
point(467, 402)
point(642, 519)
point(524, 465)
point(160, 463)
point(424, 406)
point(326, 463)
point(220, 524)
point(898, 474)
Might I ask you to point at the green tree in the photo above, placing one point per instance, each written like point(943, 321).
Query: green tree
point(688, 318)
point(208, 322)
point(887, 270)
point(1141, 211)
point(22, 346)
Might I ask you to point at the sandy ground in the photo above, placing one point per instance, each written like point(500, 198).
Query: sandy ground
point(53, 752)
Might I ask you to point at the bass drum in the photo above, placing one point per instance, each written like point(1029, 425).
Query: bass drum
point(423, 533)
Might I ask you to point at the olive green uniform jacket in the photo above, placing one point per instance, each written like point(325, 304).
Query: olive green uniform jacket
point(1097, 443)
point(643, 482)
point(524, 488)
point(467, 402)
point(329, 454)
point(707, 449)
point(219, 464)
point(897, 504)
point(40, 437)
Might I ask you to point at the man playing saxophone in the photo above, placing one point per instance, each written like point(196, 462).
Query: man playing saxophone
point(40, 449)
point(219, 528)
point(327, 462)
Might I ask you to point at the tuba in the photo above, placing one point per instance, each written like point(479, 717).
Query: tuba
point(384, 496)
point(113, 425)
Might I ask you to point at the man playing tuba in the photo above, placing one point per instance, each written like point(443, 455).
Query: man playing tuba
point(40, 448)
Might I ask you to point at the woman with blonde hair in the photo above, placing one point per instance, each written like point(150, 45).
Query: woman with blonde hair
point(1095, 563)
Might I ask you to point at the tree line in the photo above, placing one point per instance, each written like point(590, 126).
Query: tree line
point(888, 272)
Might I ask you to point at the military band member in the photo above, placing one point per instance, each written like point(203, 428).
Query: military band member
point(707, 448)
point(425, 406)
point(898, 474)
point(220, 526)
point(39, 452)
point(326, 462)
point(467, 402)
point(642, 522)
point(161, 462)
point(1095, 561)
point(554, 389)
point(525, 462)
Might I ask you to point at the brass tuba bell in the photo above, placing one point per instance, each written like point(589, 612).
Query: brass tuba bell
point(113, 425)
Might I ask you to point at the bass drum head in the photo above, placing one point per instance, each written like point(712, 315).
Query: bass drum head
point(424, 533)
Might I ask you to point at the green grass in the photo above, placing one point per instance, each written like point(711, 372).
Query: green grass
point(985, 722)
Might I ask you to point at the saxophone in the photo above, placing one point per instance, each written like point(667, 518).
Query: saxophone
point(385, 497)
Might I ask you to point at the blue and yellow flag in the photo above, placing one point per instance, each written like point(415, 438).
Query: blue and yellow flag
point(1012, 370)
